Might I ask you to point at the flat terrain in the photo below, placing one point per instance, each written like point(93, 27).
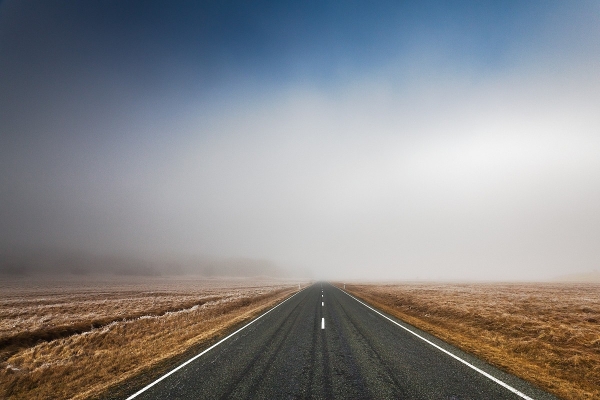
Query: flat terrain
point(548, 334)
point(322, 343)
point(79, 338)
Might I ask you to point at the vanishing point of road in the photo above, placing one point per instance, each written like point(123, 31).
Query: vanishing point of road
point(322, 343)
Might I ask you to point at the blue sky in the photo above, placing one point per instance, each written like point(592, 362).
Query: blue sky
point(397, 140)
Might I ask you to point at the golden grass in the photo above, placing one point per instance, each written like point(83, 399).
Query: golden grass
point(76, 340)
point(548, 334)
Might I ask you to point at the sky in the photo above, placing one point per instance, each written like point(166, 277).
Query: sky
point(432, 140)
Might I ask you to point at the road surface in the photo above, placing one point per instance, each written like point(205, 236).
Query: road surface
point(322, 343)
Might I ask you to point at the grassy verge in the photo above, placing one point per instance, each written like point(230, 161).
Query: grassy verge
point(118, 343)
point(546, 334)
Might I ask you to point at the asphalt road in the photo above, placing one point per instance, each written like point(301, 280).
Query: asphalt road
point(323, 344)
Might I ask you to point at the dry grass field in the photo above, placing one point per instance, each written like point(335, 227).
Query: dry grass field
point(548, 334)
point(77, 339)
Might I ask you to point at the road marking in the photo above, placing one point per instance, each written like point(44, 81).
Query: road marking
point(322, 323)
point(321, 295)
point(322, 303)
point(482, 372)
point(142, 390)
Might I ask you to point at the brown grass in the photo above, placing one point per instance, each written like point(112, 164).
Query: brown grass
point(548, 334)
point(77, 339)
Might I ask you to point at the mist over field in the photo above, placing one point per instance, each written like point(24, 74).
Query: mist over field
point(420, 140)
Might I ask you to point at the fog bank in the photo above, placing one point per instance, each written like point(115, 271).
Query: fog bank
point(407, 141)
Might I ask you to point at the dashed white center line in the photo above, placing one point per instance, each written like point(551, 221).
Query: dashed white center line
point(322, 303)
point(322, 323)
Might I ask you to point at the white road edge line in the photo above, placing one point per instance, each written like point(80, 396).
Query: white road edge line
point(482, 372)
point(207, 350)
point(322, 323)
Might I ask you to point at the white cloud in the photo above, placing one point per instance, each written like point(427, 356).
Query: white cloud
point(458, 180)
